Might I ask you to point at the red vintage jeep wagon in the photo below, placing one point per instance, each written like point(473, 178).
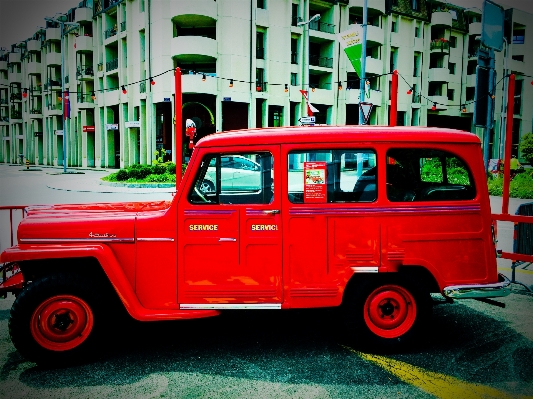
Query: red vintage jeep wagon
point(371, 218)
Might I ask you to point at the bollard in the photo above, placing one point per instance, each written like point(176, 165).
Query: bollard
point(27, 163)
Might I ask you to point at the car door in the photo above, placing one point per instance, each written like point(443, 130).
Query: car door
point(229, 243)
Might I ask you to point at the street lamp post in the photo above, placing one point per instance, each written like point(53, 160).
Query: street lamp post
point(61, 21)
point(305, 69)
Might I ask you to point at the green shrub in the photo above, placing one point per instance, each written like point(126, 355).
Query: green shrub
point(171, 168)
point(520, 187)
point(159, 169)
point(526, 147)
point(122, 175)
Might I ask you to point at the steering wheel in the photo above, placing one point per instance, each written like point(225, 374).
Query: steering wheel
point(200, 194)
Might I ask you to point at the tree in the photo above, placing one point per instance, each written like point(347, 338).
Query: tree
point(526, 147)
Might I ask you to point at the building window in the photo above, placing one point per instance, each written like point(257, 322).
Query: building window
point(518, 97)
point(453, 41)
point(260, 79)
point(261, 4)
point(518, 58)
point(417, 31)
point(393, 58)
point(414, 116)
point(295, 15)
point(260, 45)
point(294, 79)
point(519, 32)
point(294, 51)
point(416, 65)
point(400, 118)
point(141, 6)
point(416, 95)
point(451, 94)
point(451, 67)
point(414, 5)
point(394, 27)
point(470, 93)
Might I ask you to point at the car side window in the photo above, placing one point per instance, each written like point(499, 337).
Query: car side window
point(427, 175)
point(322, 176)
point(244, 178)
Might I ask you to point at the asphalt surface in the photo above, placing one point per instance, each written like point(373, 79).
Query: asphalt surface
point(471, 349)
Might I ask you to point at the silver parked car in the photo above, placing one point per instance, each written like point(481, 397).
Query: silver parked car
point(237, 174)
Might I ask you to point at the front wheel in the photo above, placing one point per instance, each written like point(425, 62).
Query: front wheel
point(387, 313)
point(55, 319)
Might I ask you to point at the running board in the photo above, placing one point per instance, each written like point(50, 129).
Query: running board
point(218, 306)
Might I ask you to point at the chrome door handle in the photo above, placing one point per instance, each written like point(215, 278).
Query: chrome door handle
point(271, 211)
point(226, 239)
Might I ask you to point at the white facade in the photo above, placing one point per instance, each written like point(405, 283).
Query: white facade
point(258, 46)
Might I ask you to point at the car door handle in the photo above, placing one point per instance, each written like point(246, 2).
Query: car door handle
point(271, 211)
point(226, 239)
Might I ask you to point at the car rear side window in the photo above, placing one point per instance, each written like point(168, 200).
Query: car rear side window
point(321, 176)
point(234, 179)
point(427, 175)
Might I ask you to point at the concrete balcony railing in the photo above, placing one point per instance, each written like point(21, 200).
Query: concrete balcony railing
point(53, 59)
point(84, 14)
point(84, 44)
point(374, 35)
point(474, 28)
point(194, 84)
point(438, 74)
point(441, 102)
point(441, 18)
point(193, 8)
point(352, 97)
point(34, 68)
point(322, 96)
point(34, 45)
point(15, 77)
point(374, 66)
point(203, 47)
point(14, 57)
point(53, 34)
point(373, 6)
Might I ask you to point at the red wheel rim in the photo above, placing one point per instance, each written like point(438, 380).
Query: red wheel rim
point(390, 311)
point(61, 323)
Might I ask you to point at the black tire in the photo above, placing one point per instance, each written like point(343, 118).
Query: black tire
point(386, 313)
point(55, 321)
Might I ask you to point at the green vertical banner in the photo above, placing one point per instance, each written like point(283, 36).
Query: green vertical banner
point(351, 41)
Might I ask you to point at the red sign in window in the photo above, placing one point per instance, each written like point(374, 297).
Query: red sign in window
point(315, 189)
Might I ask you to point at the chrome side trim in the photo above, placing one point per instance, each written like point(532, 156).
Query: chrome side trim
point(217, 306)
point(500, 289)
point(70, 240)
point(155, 239)
point(365, 269)
point(227, 239)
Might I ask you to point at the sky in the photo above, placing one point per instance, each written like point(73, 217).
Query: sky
point(22, 18)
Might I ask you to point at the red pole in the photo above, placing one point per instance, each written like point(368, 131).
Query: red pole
point(178, 122)
point(508, 144)
point(394, 99)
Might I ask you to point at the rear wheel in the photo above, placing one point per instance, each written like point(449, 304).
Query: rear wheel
point(387, 313)
point(55, 320)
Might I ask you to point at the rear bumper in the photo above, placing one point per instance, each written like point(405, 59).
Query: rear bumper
point(499, 289)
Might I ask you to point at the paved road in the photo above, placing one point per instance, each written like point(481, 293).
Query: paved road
point(472, 350)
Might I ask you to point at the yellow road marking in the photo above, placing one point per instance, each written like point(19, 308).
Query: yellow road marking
point(441, 386)
point(517, 270)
